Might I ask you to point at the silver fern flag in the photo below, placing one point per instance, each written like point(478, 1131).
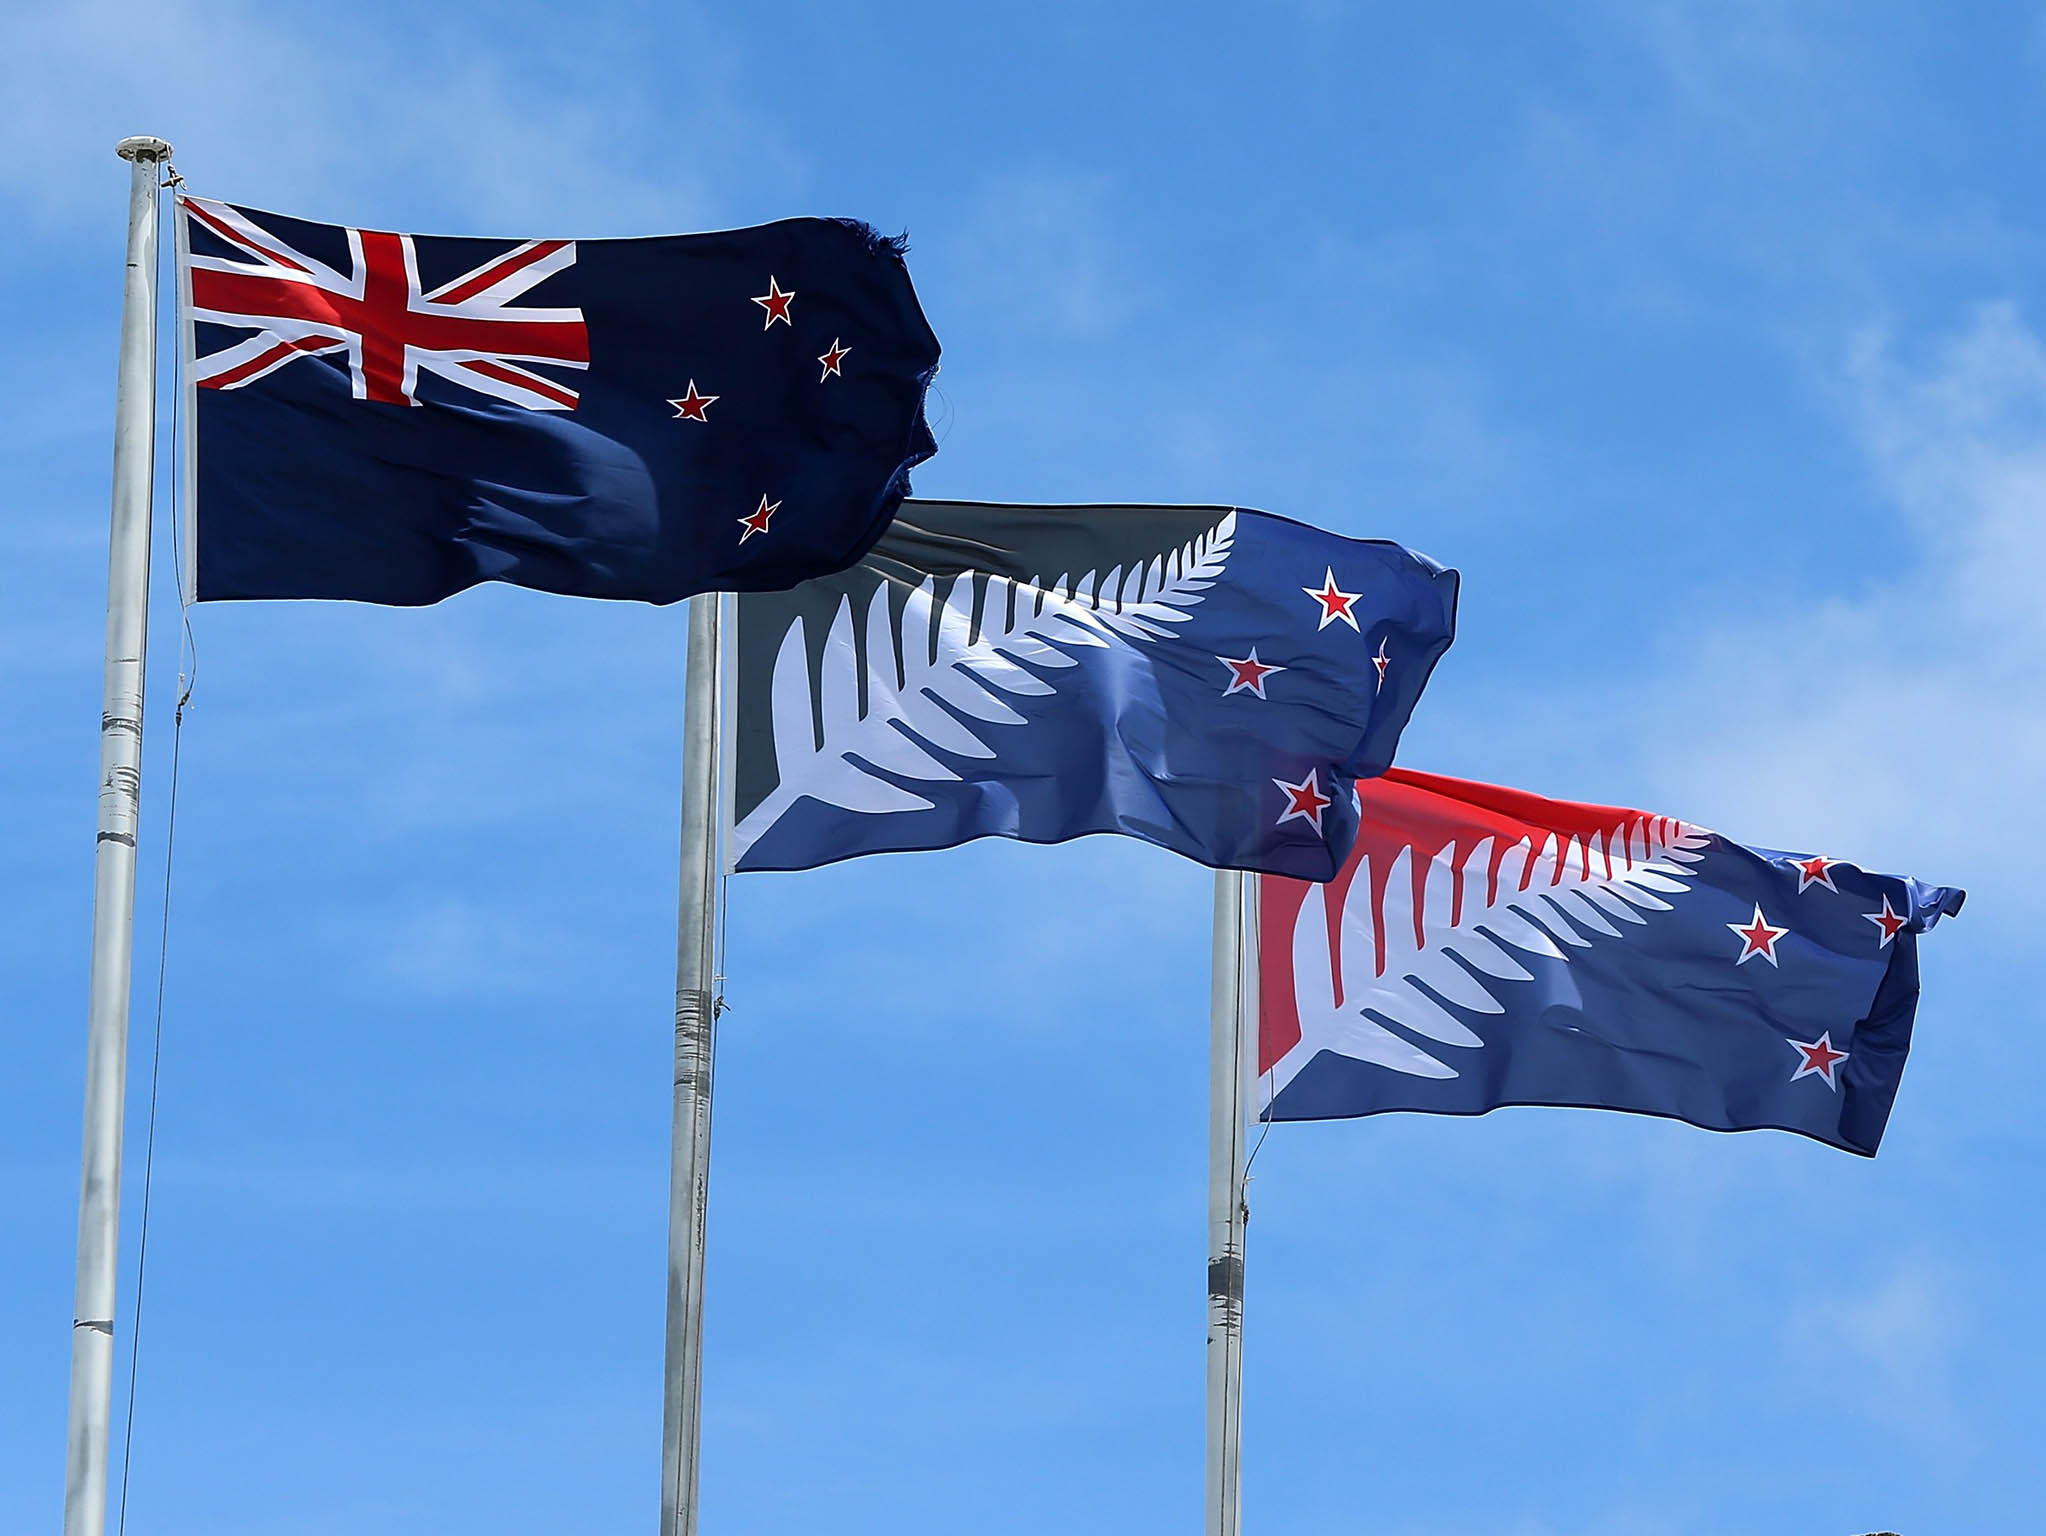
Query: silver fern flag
point(1210, 679)
point(1483, 946)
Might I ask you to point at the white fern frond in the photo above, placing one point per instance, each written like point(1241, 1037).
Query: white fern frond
point(953, 687)
point(1546, 902)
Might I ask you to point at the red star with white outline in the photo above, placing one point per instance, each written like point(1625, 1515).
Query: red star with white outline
point(756, 520)
point(776, 303)
point(1757, 938)
point(1335, 602)
point(1821, 1056)
point(1889, 920)
point(832, 356)
point(1816, 870)
point(1247, 675)
point(692, 405)
point(1381, 661)
point(1304, 801)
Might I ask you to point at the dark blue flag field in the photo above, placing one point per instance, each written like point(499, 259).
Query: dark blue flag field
point(1484, 947)
point(393, 418)
point(1210, 679)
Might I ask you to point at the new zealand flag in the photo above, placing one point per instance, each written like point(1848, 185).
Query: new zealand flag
point(392, 418)
point(1210, 679)
point(1484, 947)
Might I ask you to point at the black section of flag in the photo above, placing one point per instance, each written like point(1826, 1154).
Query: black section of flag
point(1206, 678)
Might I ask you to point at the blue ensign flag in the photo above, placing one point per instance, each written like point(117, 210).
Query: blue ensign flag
point(393, 418)
point(1484, 947)
point(1210, 679)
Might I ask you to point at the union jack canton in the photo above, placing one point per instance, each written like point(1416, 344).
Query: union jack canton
point(392, 417)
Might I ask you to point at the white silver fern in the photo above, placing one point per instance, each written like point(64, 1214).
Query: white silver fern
point(951, 693)
point(1544, 903)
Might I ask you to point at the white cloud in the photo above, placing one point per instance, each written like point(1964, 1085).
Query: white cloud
point(1886, 1350)
point(365, 124)
point(1903, 725)
point(456, 947)
point(1042, 247)
point(1718, 58)
point(1796, 145)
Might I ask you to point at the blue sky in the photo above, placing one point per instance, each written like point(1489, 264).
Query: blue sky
point(1706, 340)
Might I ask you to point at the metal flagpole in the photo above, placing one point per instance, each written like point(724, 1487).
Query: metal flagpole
point(695, 1028)
point(1228, 1102)
point(113, 891)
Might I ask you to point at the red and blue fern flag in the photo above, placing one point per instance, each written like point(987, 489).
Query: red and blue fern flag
point(392, 418)
point(1484, 947)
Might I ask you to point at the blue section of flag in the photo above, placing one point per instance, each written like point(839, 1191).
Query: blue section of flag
point(1209, 679)
point(393, 418)
point(1483, 947)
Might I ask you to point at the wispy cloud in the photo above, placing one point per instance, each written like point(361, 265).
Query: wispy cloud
point(1041, 246)
point(1886, 1350)
point(272, 107)
point(1755, 140)
point(449, 946)
point(1903, 724)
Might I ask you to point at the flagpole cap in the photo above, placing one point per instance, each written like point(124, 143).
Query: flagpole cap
point(144, 148)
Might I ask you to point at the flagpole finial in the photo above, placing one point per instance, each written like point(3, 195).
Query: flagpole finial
point(144, 147)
